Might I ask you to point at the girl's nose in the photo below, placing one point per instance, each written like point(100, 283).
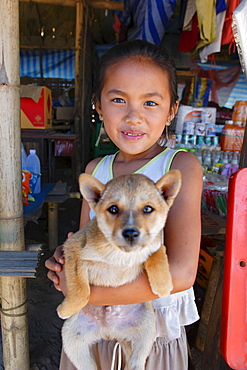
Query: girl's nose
point(134, 117)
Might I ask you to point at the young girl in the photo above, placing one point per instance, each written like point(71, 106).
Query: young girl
point(136, 98)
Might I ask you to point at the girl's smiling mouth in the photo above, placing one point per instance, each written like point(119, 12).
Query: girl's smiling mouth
point(132, 134)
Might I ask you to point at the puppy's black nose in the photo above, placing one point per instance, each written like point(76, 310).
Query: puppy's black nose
point(130, 234)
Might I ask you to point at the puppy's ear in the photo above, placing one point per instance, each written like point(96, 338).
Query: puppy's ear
point(91, 189)
point(169, 185)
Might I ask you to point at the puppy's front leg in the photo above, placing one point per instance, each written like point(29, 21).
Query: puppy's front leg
point(78, 289)
point(159, 276)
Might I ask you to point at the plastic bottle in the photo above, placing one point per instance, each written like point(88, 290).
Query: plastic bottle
point(207, 158)
point(240, 111)
point(216, 157)
point(235, 158)
point(23, 157)
point(198, 153)
point(225, 159)
point(234, 164)
point(227, 136)
point(239, 136)
point(33, 165)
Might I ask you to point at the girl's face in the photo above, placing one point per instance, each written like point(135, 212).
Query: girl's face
point(135, 105)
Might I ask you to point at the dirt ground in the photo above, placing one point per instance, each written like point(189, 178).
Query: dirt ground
point(43, 299)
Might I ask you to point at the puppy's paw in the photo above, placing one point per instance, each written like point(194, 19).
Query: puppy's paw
point(162, 289)
point(63, 312)
point(69, 307)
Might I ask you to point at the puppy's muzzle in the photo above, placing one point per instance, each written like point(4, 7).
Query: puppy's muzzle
point(130, 235)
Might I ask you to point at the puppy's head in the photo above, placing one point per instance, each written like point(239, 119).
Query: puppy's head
point(131, 210)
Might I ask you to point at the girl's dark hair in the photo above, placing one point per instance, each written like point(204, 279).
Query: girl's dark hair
point(136, 48)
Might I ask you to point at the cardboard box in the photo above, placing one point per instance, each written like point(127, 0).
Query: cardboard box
point(36, 111)
point(64, 113)
point(204, 268)
point(187, 113)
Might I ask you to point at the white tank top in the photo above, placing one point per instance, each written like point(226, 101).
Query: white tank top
point(178, 309)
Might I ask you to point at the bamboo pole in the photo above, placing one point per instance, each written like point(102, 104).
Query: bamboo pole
point(83, 87)
point(78, 108)
point(13, 289)
point(243, 155)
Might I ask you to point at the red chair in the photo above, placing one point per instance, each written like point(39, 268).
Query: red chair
point(233, 343)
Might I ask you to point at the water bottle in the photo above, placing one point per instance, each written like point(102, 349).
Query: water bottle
point(33, 165)
point(23, 157)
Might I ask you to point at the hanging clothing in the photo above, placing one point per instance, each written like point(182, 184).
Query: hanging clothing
point(215, 46)
point(147, 19)
point(227, 34)
point(189, 38)
point(189, 14)
point(183, 7)
point(206, 13)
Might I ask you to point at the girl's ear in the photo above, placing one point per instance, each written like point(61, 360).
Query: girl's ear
point(174, 110)
point(98, 108)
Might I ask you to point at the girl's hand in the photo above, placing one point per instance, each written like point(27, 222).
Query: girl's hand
point(56, 271)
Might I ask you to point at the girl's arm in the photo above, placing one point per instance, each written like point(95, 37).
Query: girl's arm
point(183, 227)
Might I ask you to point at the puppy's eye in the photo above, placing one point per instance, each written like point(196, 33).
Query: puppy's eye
point(113, 210)
point(148, 209)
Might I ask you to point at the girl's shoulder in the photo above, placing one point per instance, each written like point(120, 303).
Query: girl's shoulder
point(190, 167)
point(185, 159)
point(92, 164)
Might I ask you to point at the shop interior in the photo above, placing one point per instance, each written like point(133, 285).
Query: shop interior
point(60, 44)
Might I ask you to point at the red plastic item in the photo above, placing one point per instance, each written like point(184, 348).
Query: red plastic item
point(234, 303)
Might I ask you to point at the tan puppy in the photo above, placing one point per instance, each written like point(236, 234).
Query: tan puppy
point(112, 250)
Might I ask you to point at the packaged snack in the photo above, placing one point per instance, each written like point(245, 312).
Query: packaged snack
point(25, 186)
point(33, 182)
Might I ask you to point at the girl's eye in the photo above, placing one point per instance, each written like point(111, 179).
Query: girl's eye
point(118, 100)
point(148, 209)
point(113, 210)
point(150, 103)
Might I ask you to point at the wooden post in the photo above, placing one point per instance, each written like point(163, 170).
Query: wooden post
point(213, 283)
point(52, 224)
point(243, 155)
point(78, 61)
point(82, 86)
point(13, 289)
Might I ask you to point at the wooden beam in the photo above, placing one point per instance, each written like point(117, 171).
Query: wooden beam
point(52, 2)
point(105, 4)
point(35, 47)
point(97, 4)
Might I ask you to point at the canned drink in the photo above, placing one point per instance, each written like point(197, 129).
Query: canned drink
point(210, 129)
point(188, 128)
point(200, 129)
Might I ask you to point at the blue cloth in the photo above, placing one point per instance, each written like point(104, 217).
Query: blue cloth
point(57, 63)
point(220, 6)
point(39, 199)
point(147, 19)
